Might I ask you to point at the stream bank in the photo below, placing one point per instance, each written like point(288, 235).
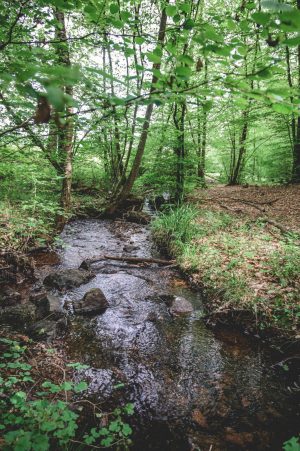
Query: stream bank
point(192, 388)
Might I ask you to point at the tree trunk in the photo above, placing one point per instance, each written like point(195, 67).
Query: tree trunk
point(126, 188)
point(179, 122)
point(202, 139)
point(296, 149)
point(65, 131)
point(237, 169)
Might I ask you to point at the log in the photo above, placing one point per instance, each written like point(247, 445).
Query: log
point(157, 261)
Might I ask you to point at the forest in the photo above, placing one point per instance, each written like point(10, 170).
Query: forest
point(149, 225)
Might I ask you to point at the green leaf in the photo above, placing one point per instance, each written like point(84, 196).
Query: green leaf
point(80, 387)
point(114, 8)
point(117, 23)
point(107, 441)
point(189, 24)
point(185, 8)
point(171, 10)
point(139, 40)
point(207, 106)
point(261, 18)
point(176, 18)
point(115, 426)
point(153, 57)
point(171, 48)
point(282, 108)
point(211, 34)
point(126, 430)
point(222, 51)
point(129, 409)
point(183, 71)
point(125, 16)
point(186, 59)
point(292, 42)
point(292, 444)
point(56, 97)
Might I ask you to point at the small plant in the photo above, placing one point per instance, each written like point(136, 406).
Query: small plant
point(38, 415)
point(292, 444)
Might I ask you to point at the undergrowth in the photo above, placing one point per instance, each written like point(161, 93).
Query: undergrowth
point(239, 262)
point(38, 414)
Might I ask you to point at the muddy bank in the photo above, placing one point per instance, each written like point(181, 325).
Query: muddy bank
point(191, 387)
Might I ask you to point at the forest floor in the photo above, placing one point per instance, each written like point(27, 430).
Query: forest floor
point(278, 203)
point(243, 246)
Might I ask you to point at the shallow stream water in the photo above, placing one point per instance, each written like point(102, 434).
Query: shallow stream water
point(192, 388)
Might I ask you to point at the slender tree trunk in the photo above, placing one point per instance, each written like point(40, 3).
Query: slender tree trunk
point(296, 152)
point(65, 131)
point(202, 140)
point(179, 122)
point(145, 130)
point(237, 169)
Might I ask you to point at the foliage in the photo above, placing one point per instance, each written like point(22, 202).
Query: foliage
point(39, 415)
point(233, 68)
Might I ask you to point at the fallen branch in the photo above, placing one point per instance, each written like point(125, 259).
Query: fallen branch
point(157, 261)
point(276, 224)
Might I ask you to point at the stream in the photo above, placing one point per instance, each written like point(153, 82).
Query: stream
point(192, 388)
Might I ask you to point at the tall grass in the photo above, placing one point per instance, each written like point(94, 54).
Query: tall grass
point(175, 229)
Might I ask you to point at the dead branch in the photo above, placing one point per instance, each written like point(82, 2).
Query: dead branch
point(276, 224)
point(157, 261)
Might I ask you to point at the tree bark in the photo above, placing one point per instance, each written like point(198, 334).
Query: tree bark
point(64, 131)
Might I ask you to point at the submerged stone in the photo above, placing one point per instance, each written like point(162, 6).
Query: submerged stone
point(68, 278)
point(181, 306)
point(46, 329)
point(93, 302)
point(48, 305)
point(19, 315)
